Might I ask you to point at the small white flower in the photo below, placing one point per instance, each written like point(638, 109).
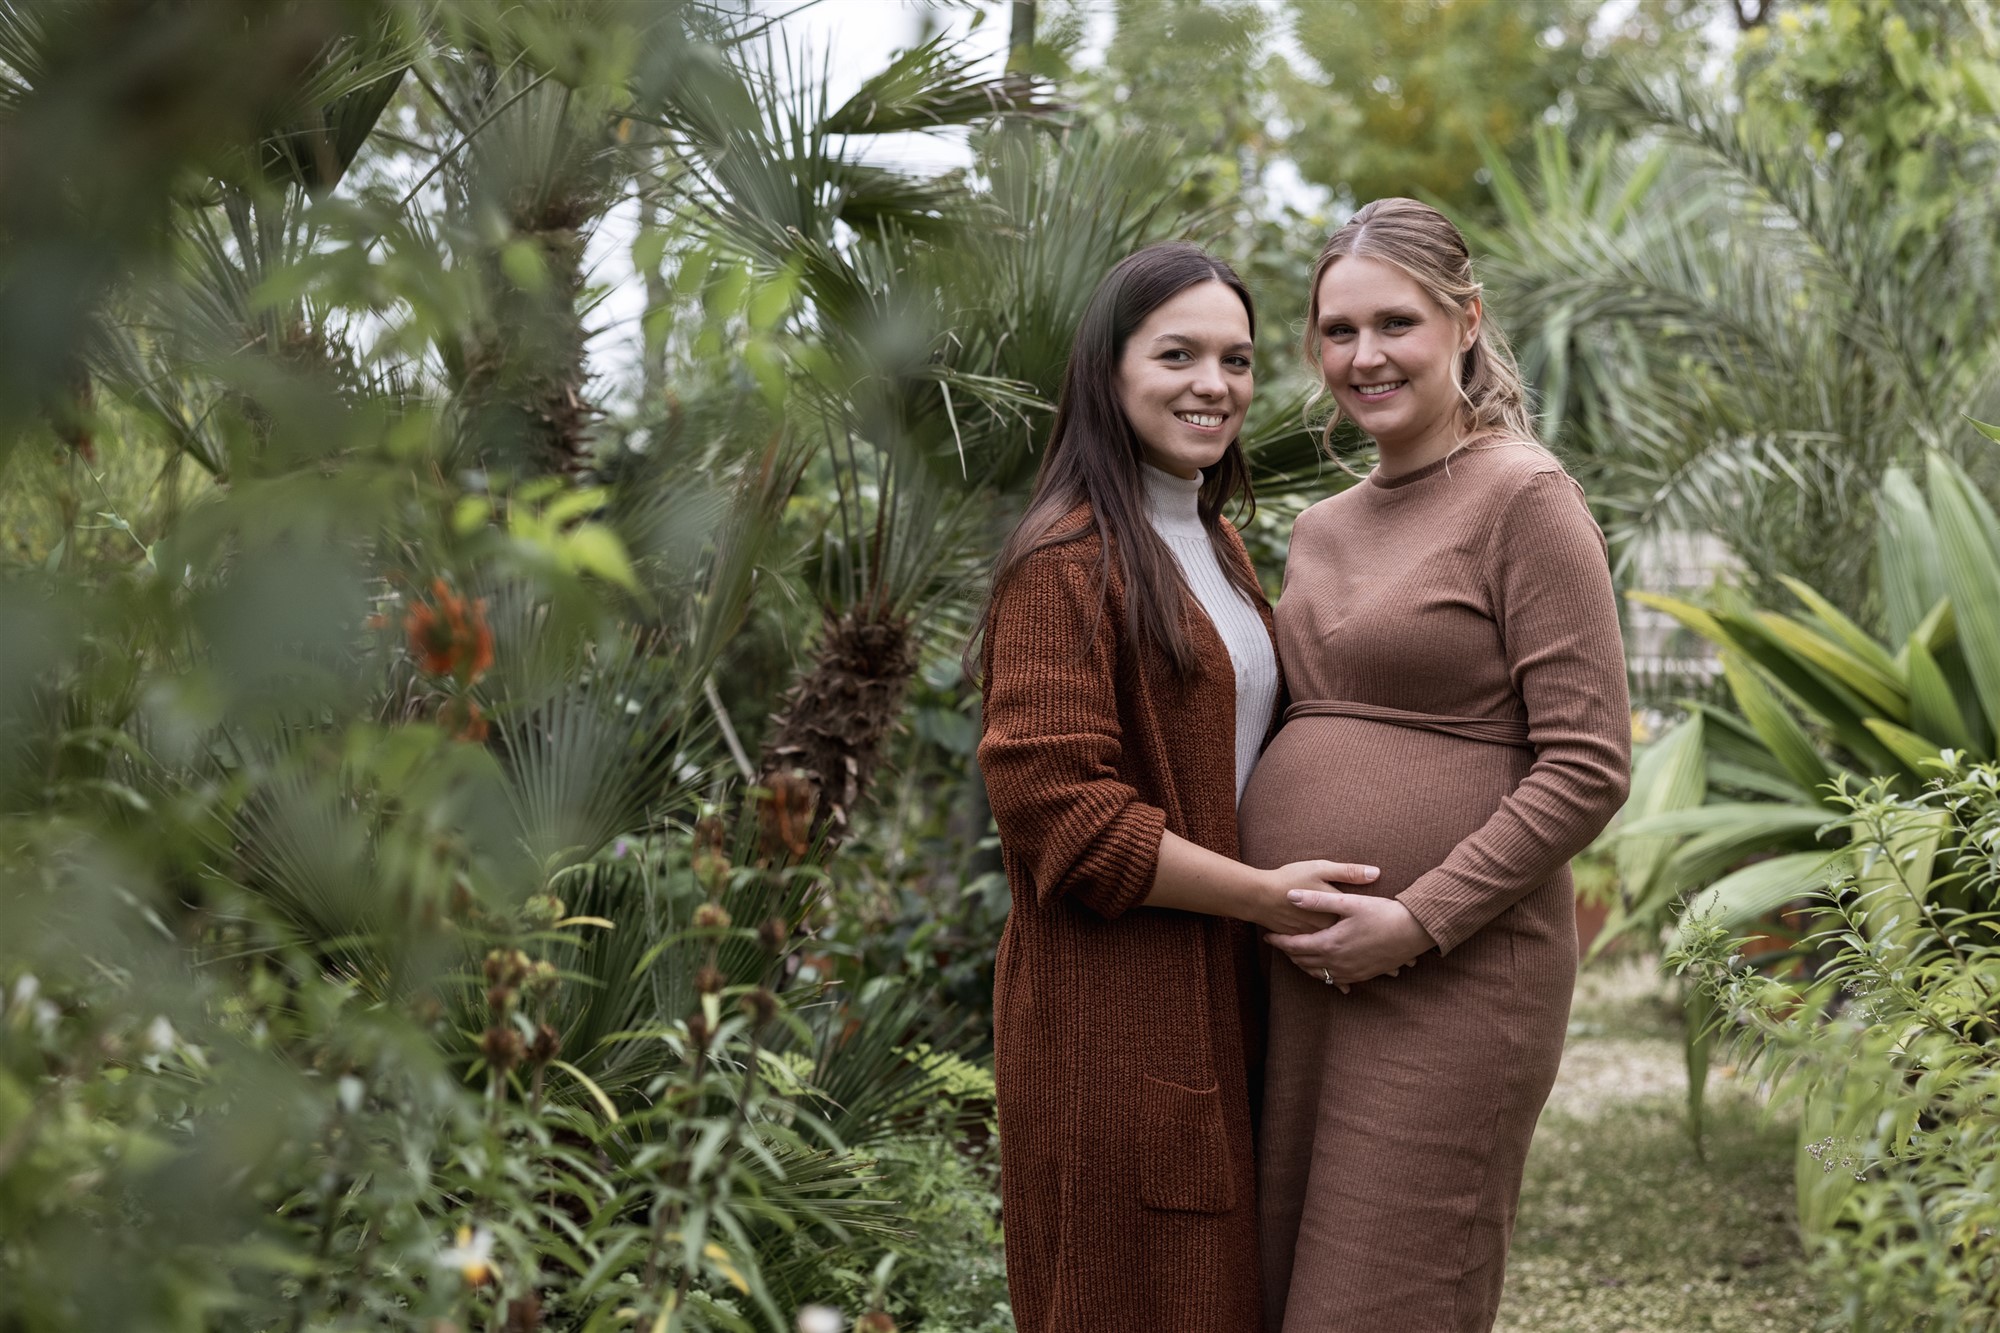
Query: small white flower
point(820, 1319)
point(472, 1256)
point(160, 1036)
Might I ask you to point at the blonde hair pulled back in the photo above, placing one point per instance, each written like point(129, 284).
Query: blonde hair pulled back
point(1423, 243)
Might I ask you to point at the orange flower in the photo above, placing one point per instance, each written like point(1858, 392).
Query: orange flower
point(462, 718)
point(450, 638)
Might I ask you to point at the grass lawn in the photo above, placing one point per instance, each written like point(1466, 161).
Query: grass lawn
point(1621, 1228)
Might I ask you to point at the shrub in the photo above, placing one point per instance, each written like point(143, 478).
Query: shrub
point(1891, 1054)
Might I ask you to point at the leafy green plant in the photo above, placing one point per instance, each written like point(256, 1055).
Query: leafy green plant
point(1887, 1053)
point(387, 943)
point(1818, 699)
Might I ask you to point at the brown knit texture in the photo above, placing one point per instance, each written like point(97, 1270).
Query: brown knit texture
point(1397, 1117)
point(1124, 1035)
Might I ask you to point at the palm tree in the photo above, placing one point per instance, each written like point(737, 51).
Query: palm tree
point(1734, 338)
point(927, 329)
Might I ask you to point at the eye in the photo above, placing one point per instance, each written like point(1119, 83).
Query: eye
point(1176, 354)
point(1239, 361)
point(1397, 323)
point(1337, 330)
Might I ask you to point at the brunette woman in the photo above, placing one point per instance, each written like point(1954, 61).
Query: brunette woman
point(1450, 640)
point(1130, 680)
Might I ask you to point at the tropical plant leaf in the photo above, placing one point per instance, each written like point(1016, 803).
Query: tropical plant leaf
point(1759, 889)
point(1726, 842)
point(1670, 775)
point(1909, 568)
point(1849, 635)
point(1780, 732)
point(936, 85)
point(1859, 675)
point(1829, 702)
point(1917, 754)
point(1934, 711)
point(1966, 530)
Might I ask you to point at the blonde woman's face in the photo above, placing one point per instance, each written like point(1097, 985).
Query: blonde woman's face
point(1389, 355)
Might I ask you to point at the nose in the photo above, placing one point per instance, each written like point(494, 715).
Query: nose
point(1368, 352)
point(1208, 381)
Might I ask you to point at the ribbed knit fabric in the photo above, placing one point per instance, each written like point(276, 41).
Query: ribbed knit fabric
point(1451, 644)
point(1173, 505)
point(1123, 1036)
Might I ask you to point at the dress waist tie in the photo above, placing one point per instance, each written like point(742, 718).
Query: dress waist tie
point(1492, 730)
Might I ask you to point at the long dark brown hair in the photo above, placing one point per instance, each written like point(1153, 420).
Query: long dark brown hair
point(1094, 455)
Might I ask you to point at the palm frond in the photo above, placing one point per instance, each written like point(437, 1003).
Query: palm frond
point(935, 85)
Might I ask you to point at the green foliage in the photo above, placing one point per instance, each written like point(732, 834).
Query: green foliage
point(387, 943)
point(1908, 89)
point(1820, 701)
point(1888, 1054)
point(1402, 97)
point(1739, 339)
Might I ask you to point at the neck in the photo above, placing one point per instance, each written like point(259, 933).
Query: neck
point(1398, 457)
point(1172, 503)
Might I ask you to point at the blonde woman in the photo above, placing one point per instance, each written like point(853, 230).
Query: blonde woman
point(1450, 643)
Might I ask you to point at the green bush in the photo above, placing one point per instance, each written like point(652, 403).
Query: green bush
point(1890, 1054)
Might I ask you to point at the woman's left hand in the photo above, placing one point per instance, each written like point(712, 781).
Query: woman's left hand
point(1370, 937)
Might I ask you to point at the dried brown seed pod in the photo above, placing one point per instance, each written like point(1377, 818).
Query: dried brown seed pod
point(546, 1046)
point(502, 1046)
point(709, 857)
point(698, 1032)
point(761, 1005)
point(774, 934)
point(709, 979)
point(711, 916)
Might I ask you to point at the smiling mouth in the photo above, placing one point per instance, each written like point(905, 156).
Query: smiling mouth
point(1202, 420)
point(1371, 392)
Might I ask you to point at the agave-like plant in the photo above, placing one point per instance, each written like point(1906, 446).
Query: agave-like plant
point(1737, 813)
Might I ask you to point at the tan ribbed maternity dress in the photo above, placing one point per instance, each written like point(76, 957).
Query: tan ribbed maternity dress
point(1459, 718)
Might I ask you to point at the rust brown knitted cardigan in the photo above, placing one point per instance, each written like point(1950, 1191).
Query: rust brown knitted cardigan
point(1124, 1036)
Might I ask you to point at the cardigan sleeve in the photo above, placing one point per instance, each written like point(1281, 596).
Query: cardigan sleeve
point(1052, 738)
point(1550, 589)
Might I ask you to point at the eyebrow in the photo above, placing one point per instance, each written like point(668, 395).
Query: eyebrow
point(1183, 340)
point(1392, 312)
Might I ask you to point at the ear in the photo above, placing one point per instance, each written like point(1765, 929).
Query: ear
point(1474, 313)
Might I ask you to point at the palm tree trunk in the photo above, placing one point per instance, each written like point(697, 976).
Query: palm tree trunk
point(831, 725)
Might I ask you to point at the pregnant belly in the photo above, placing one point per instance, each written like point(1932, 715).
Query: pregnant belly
point(1346, 789)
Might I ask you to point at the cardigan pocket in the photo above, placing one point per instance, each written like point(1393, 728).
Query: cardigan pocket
point(1186, 1146)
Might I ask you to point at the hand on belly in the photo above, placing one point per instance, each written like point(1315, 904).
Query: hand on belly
point(1370, 937)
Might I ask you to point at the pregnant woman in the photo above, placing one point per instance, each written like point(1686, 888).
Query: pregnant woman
point(1130, 680)
point(1459, 718)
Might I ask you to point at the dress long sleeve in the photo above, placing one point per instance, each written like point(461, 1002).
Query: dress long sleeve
point(1550, 588)
point(1054, 739)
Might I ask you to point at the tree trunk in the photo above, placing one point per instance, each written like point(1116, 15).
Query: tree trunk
point(830, 727)
point(1021, 36)
point(525, 377)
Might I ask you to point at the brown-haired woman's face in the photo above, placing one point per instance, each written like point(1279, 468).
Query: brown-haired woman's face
point(1184, 378)
point(1389, 355)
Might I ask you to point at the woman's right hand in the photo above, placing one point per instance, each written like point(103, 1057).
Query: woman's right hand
point(1276, 912)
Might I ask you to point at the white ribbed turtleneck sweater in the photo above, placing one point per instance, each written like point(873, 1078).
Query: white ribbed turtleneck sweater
point(1172, 503)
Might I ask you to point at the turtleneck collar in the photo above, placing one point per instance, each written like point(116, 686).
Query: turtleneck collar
point(1173, 503)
